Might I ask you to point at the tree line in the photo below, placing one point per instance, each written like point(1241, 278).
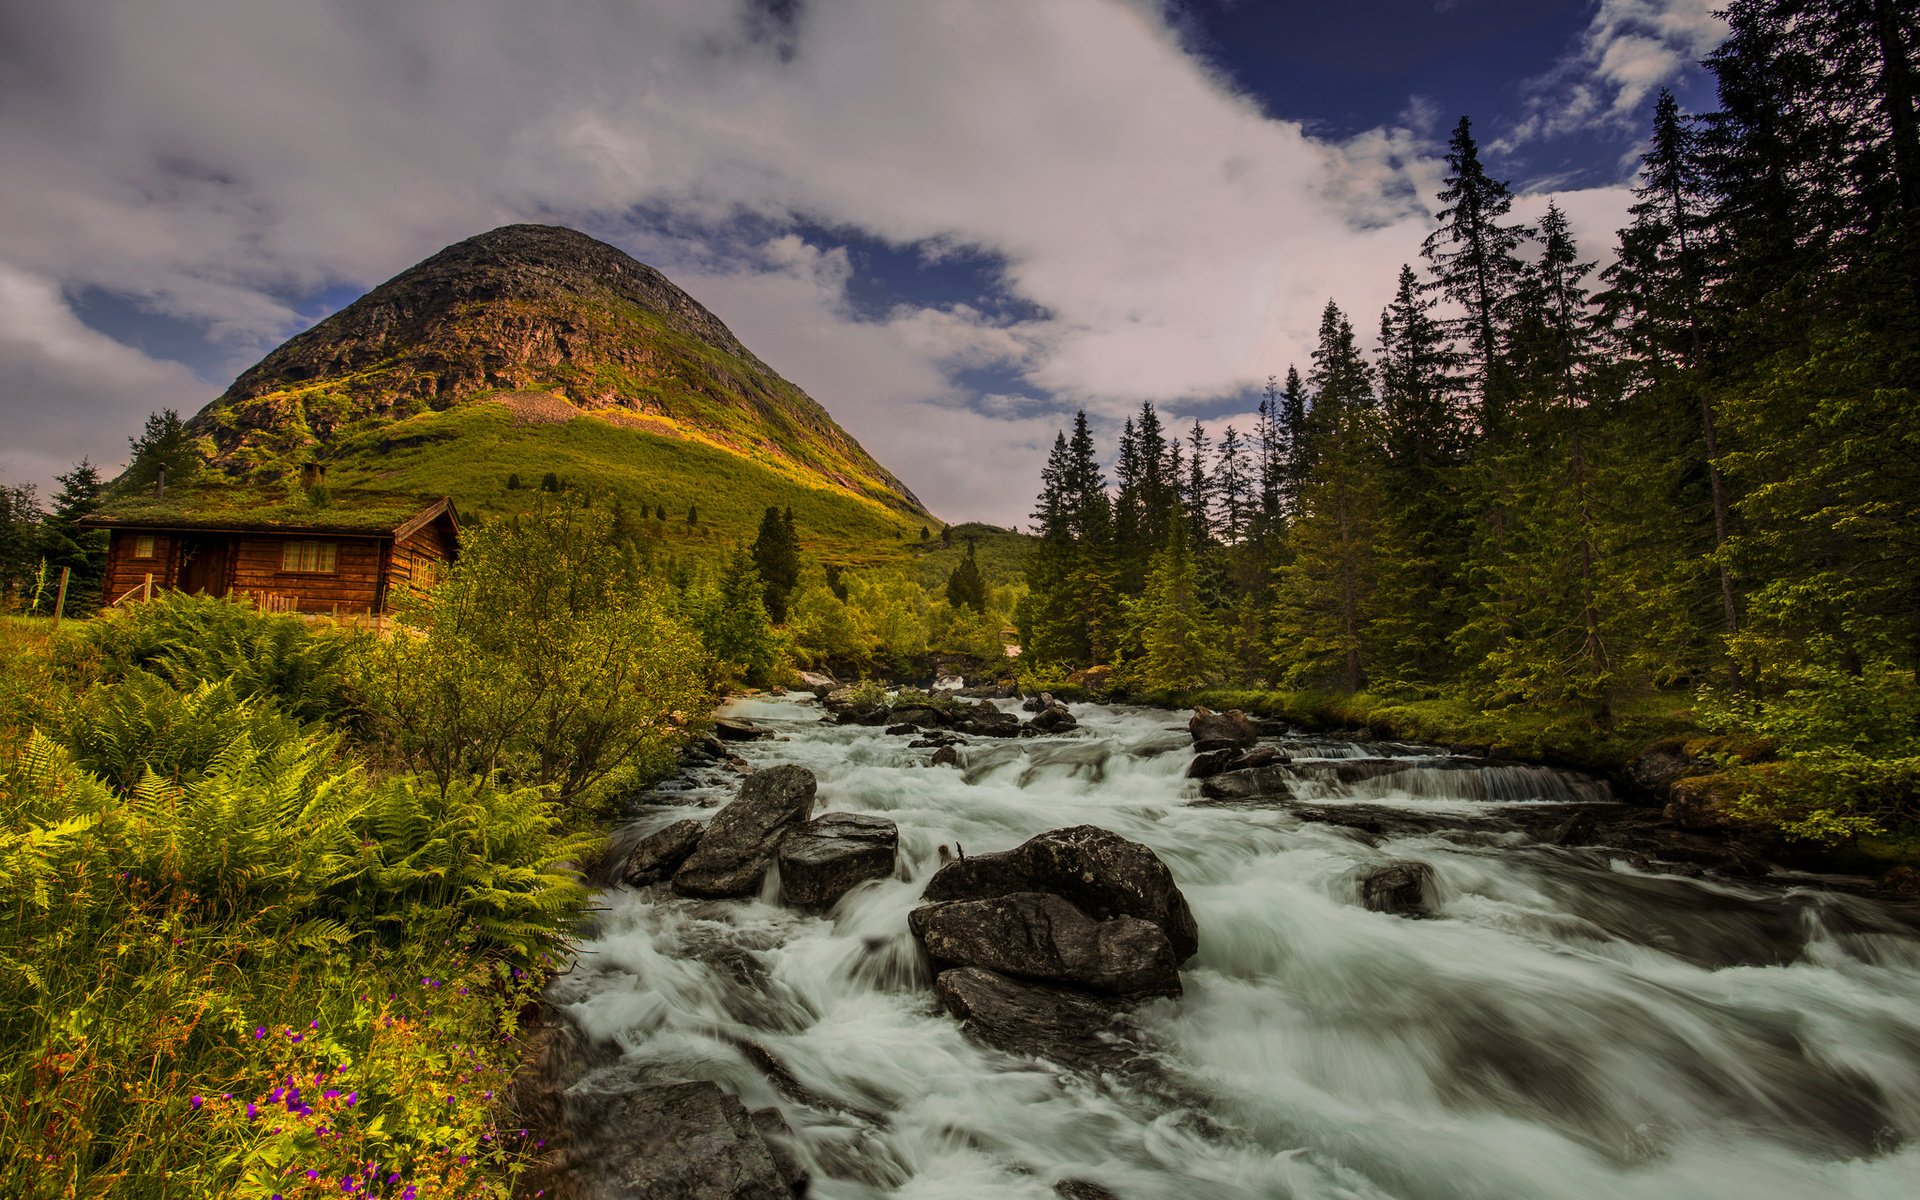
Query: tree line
point(1552, 485)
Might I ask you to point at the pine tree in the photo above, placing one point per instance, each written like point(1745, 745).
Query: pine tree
point(1197, 491)
point(19, 542)
point(735, 627)
point(1178, 639)
point(1295, 442)
point(1323, 606)
point(64, 544)
point(966, 587)
point(776, 556)
point(1234, 487)
point(1473, 256)
point(164, 445)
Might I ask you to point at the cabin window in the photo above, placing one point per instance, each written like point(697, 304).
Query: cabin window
point(310, 557)
point(143, 546)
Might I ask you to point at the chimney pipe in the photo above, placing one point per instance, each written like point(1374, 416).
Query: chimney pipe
point(313, 474)
point(160, 482)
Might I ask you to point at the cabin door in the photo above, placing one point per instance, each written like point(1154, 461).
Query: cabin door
point(203, 567)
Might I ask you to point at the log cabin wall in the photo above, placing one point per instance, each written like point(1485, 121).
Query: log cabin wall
point(351, 588)
point(419, 560)
point(126, 572)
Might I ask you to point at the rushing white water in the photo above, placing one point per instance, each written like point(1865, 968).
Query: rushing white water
point(1568, 1026)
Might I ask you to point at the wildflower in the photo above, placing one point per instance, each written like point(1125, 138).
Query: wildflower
point(312, 1174)
point(353, 1098)
point(259, 1031)
point(196, 1102)
point(313, 1024)
point(346, 1183)
point(409, 1194)
point(332, 1094)
point(252, 1112)
point(299, 1037)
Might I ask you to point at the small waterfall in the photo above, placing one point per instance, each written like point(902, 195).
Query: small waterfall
point(1566, 1027)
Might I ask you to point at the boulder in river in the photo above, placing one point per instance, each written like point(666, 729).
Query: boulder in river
point(656, 856)
point(740, 840)
point(984, 720)
point(1044, 938)
point(729, 729)
point(1215, 762)
point(1219, 731)
point(1052, 719)
point(822, 860)
point(1101, 873)
point(1080, 1189)
point(1033, 1018)
point(1251, 783)
point(1402, 887)
point(945, 756)
point(679, 1141)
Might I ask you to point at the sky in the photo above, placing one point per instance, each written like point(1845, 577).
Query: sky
point(952, 223)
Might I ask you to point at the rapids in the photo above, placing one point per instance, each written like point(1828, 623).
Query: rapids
point(1568, 1026)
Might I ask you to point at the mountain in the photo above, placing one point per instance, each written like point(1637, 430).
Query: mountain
point(535, 350)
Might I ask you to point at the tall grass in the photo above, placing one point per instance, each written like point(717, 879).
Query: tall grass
point(233, 961)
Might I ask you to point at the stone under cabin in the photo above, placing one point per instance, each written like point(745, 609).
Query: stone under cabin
point(351, 554)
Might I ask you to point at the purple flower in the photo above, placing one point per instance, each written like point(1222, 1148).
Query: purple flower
point(346, 1183)
point(298, 1038)
point(252, 1112)
point(353, 1098)
point(313, 1024)
point(259, 1031)
point(312, 1174)
point(409, 1194)
point(196, 1102)
point(332, 1094)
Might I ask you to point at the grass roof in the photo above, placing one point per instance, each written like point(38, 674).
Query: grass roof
point(240, 506)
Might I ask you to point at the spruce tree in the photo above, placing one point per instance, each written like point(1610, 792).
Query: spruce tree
point(64, 544)
point(1197, 490)
point(1179, 643)
point(164, 444)
point(1234, 487)
point(1323, 606)
point(776, 556)
point(966, 587)
point(19, 542)
point(1474, 259)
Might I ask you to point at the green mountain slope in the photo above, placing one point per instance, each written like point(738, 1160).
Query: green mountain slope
point(533, 350)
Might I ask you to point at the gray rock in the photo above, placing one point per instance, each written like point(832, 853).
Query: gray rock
point(1218, 731)
point(1053, 719)
point(728, 729)
point(946, 756)
point(741, 838)
point(1101, 873)
point(1403, 888)
point(1080, 1189)
point(1253, 783)
point(984, 720)
point(778, 1135)
point(656, 856)
point(822, 860)
point(1035, 1019)
point(1043, 938)
point(935, 740)
point(680, 1141)
point(1216, 762)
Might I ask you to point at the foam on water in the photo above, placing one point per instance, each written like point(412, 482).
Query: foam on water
point(1568, 1027)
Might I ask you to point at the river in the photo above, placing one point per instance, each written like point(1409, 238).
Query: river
point(1569, 1025)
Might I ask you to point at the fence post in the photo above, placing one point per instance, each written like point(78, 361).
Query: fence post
point(60, 602)
point(146, 591)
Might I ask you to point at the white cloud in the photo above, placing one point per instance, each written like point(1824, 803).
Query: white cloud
point(71, 392)
point(1629, 49)
point(214, 158)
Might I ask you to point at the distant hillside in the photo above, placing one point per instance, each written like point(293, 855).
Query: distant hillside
point(1001, 554)
point(533, 350)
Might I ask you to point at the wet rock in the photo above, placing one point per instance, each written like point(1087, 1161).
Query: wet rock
point(778, 1135)
point(1579, 829)
point(935, 740)
point(902, 729)
point(1040, 703)
point(1100, 872)
point(1252, 783)
point(946, 756)
point(729, 729)
point(1043, 938)
point(822, 860)
point(705, 748)
point(677, 1141)
point(1035, 1019)
point(1402, 888)
point(984, 720)
point(1218, 731)
point(1216, 762)
point(820, 685)
point(1697, 804)
point(923, 718)
point(1053, 719)
point(656, 856)
point(1080, 1189)
point(738, 765)
point(740, 841)
point(1656, 771)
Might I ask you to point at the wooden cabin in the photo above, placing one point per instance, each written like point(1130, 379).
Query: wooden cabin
point(339, 559)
